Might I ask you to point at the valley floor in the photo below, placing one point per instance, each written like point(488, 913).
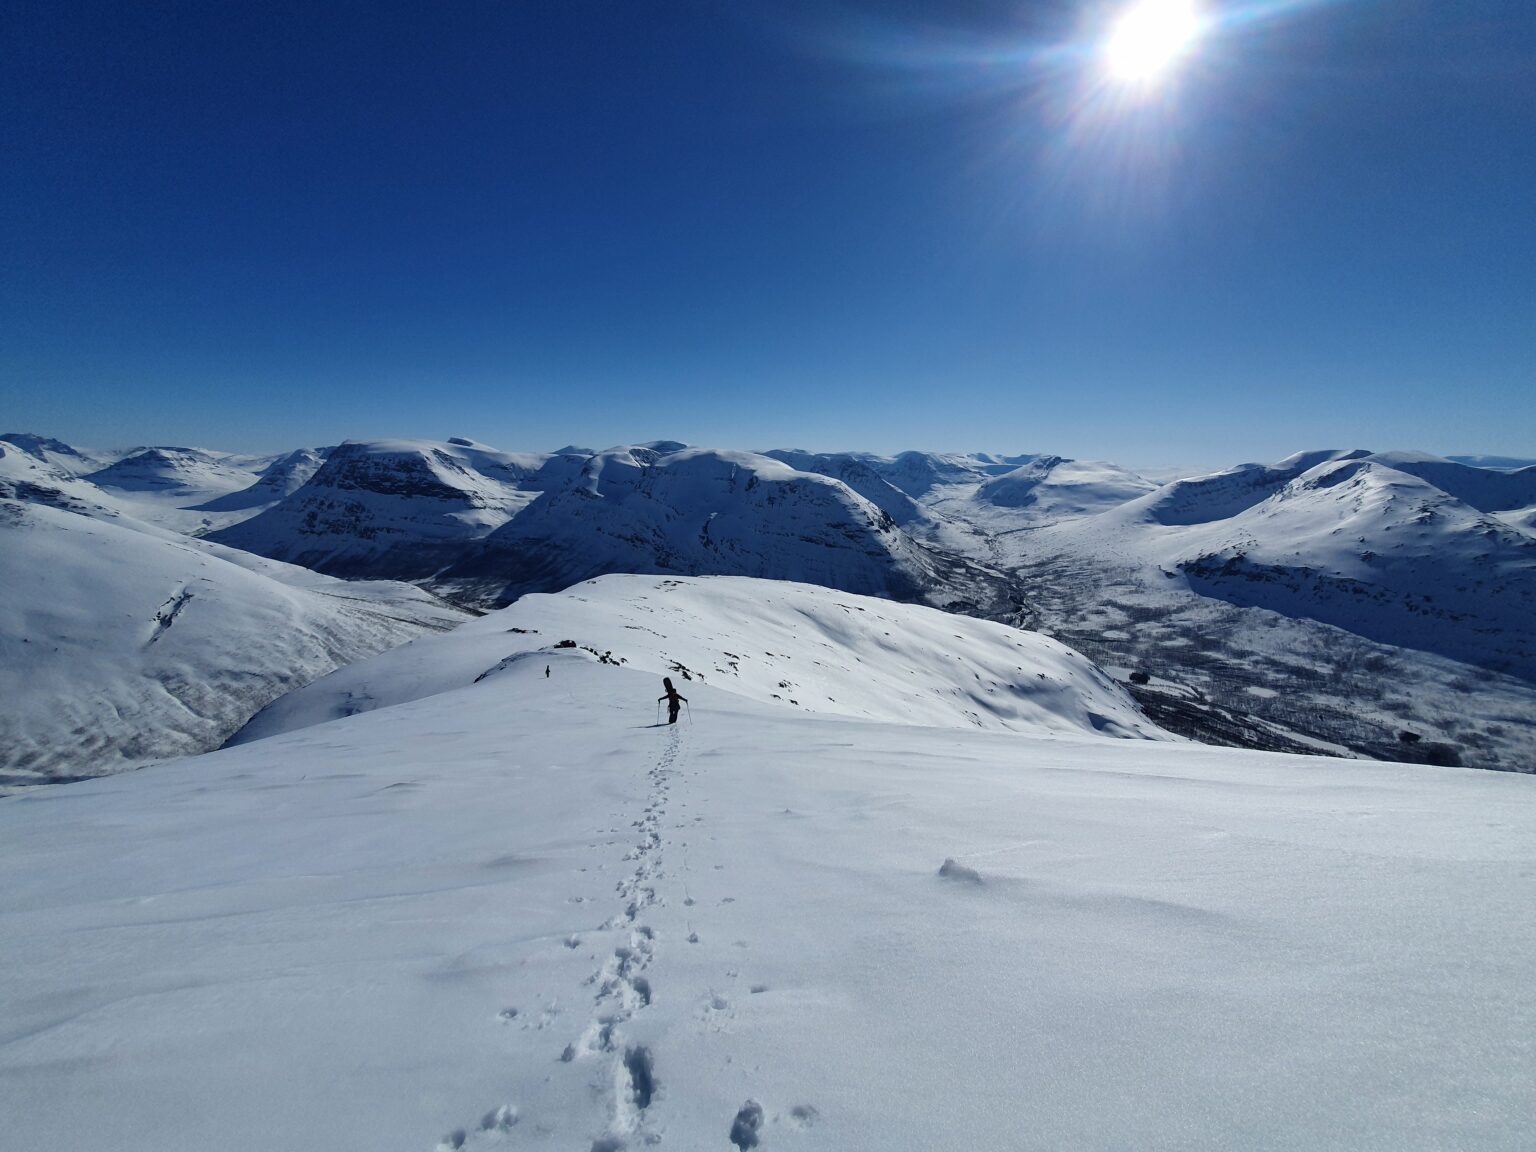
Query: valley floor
point(518, 915)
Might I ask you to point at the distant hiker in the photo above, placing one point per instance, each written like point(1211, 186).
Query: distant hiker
point(546, 671)
point(674, 701)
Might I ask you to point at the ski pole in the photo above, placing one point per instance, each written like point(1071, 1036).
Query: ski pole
point(689, 707)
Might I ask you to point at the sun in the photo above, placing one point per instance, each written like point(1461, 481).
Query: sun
point(1149, 38)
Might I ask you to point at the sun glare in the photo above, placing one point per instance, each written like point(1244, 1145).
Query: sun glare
point(1149, 38)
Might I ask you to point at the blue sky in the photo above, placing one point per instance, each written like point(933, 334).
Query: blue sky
point(858, 225)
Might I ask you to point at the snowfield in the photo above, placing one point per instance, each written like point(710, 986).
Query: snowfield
point(513, 913)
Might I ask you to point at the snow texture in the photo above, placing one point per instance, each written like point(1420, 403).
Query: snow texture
point(515, 914)
point(120, 643)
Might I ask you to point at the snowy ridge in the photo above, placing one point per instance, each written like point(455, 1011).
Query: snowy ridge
point(487, 527)
point(62, 457)
point(1222, 495)
point(1485, 489)
point(282, 477)
point(794, 646)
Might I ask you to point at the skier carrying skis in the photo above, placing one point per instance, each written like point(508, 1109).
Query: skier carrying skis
point(674, 701)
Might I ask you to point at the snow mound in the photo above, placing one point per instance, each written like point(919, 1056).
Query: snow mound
point(794, 646)
point(120, 644)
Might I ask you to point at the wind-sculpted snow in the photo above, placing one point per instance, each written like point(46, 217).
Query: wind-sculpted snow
point(516, 915)
point(123, 643)
point(794, 646)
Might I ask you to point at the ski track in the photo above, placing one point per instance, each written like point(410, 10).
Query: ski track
point(625, 1076)
point(628, 1079)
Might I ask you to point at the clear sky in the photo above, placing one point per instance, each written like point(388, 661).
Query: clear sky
point(876, 225)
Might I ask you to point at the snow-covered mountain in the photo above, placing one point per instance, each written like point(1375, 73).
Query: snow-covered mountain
point(487, 527)
point(702, 512)
point(1259, 599)
point(1351, 540)
point(1052, 488)
point(120, 642)
point(397, 509)
point(36, 476)
point(1334, 593)
point(282, 477)
point(1223, 495)
point(181, 471)
point(797, 646)
point(515, 915)
point(59, 456)
point(1486, 489)
point(1385, 554)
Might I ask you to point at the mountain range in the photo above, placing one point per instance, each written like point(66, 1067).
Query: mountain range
point(1350, 602)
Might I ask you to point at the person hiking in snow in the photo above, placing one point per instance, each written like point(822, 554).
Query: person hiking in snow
point(674, 701)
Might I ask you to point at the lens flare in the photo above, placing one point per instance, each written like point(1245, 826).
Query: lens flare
point(1150, 38)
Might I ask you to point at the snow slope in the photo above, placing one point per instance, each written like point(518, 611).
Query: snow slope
point(794, 645)
point(120, 642)
point(514, 915)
